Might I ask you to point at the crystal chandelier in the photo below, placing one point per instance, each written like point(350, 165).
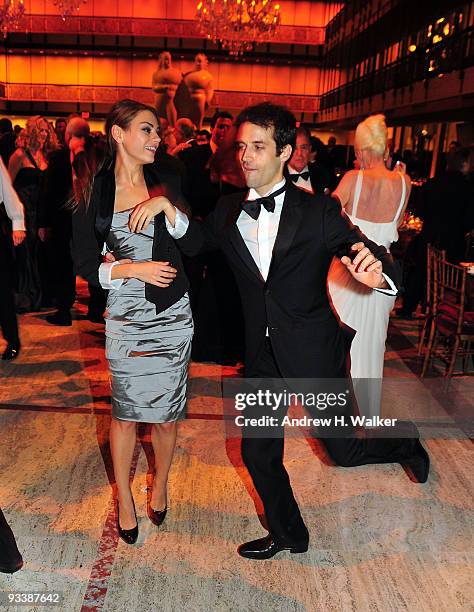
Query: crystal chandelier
point(237, 24)
point(68, 8)
point(11, 15)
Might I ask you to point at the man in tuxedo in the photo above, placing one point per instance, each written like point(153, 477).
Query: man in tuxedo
point(279, 242)
point(312, 177)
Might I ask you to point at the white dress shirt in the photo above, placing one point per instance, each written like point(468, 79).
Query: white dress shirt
point(13, 205)
point(260, 234)
point(301, 183)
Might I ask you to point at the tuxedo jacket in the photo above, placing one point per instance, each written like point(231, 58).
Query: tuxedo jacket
point(293, 303)
point(91, 227)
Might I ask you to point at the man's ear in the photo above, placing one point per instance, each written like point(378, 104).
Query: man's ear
point(286, 153)
point(117, 133)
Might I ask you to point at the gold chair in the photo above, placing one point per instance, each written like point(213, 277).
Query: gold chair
point(434, 257)
point(453, 329)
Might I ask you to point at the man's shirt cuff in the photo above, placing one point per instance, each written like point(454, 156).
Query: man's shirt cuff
point(392, 290)
point(105, 274)
point(181, 224)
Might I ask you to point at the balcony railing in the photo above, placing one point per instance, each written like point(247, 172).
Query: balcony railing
point(454, 53)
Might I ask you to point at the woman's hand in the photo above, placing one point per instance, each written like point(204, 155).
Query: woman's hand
point(365, 267)
point(144, 212)
point(159, 273)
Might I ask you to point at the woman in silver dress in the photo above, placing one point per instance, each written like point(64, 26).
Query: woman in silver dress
point(149, 325)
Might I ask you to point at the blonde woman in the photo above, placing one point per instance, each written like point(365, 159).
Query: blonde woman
point(26, 166)
point(374, 199)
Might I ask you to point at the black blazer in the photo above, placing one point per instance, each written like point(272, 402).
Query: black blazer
point(293, 303)
point(91, 227)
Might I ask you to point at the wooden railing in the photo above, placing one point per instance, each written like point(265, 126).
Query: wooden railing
point(176, 28)
point(98, 94)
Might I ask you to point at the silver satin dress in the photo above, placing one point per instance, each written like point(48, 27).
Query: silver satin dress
point(148, 353)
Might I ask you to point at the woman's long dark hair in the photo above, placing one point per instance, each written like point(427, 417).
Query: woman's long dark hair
point(122, 114)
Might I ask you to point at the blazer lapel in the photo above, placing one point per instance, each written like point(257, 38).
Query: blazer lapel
point(290, 219)
point(155, 188)
point(104, 195)
point(237, 242)
point(153, 181)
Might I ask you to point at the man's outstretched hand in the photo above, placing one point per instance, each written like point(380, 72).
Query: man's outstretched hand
point(365, 268)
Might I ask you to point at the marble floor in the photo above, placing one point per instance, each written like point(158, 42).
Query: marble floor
point(379, 542)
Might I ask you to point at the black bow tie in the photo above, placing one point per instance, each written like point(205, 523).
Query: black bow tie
point(295, 177)
point(253, 207)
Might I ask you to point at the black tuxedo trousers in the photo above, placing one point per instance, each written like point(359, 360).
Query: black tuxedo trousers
point(263, 458)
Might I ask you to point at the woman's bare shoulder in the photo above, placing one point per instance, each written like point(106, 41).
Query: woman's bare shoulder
point(17, 160)
point(351, 174)
point(17, 155)
point(349, 178)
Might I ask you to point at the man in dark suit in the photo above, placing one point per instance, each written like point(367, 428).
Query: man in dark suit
point(215, 290)
point(312, 177)
point(279, 243)
point(55, 220)
point(203, 193)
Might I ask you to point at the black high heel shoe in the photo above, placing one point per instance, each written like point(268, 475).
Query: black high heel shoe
point(155, 516)
point(129, 536)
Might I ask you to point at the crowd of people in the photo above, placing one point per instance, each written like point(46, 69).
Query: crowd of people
point(138, 211)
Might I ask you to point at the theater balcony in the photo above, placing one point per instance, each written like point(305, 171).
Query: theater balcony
point(410, 64)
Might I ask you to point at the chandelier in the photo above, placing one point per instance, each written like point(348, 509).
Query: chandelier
point(237, 24)
point(11, 15)
point(68, 8)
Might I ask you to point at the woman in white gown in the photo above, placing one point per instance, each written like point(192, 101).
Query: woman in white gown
point(374, 199)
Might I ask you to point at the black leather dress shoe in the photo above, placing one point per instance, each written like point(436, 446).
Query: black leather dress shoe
point(129, 536)
point(156, 516)
point(266, 548)
point(11, 352)
point(61, 317)
point(418, 464)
